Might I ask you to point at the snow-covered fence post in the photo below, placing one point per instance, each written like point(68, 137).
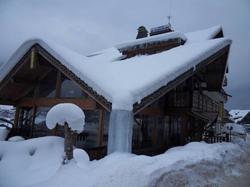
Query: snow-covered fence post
point(72, 118)
point(68, 142)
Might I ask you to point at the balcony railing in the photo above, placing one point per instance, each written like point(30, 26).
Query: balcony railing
point(196, 102)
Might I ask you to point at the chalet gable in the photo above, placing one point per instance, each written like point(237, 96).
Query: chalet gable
point(38, 74)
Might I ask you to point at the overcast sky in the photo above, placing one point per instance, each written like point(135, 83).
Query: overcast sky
point(87, 26)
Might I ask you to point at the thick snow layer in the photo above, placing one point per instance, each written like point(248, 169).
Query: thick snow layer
point(118, 80)
point(202, 35)
point(66, 112)
point(29, 162)
point(38, 162)
point(238, 115)
point(151, 39)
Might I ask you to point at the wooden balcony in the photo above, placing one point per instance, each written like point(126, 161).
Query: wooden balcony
point(191, 101)
point(203, 103)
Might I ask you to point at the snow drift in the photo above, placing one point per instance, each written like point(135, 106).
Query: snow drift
point(37, 162)
point(30, 161)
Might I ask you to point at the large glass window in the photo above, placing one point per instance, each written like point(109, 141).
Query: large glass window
point(69, 89)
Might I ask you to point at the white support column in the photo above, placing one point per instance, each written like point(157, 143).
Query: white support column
point(120, 131)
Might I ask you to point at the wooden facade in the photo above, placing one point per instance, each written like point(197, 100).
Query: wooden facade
point(173, 115)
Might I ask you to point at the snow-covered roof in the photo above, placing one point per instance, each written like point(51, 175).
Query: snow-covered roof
point(238, 115)
point(205, 34)
point(125, 82)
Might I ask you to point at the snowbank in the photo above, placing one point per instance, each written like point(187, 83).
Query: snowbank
point(29, 162)
point(16, 139)
point(196, 164)
point(238, 115)
point(66, 112)
point(234, 128)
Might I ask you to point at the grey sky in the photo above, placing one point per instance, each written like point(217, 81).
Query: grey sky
point(87, 26)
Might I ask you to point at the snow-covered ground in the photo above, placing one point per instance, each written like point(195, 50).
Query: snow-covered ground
point(38, 162)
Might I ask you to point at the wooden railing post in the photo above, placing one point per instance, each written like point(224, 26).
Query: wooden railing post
point(16, 120)
point(33, 117)
point(100, 128)
point(68, 142)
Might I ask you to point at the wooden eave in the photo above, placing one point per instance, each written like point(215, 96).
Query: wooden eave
point(148, 100)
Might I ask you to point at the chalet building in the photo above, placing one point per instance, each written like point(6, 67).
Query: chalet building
point(144, 96)
point(240, 116)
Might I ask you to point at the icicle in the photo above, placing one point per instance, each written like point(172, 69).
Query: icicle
point(120, 131)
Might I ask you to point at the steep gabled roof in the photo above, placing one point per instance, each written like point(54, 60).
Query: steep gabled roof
point(126, 82)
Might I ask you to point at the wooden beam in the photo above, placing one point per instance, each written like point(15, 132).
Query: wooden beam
point(33, 58)
point(58, 84)
point(7, 102)
point(154, 132)
point(16, 119)
point(14, 70)
point(87, 104)
point(152, 111)
point(184, 123)
point(33, 117)
point(100, 128)
point(33, 87)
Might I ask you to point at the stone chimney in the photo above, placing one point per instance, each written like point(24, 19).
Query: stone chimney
point(142, 32)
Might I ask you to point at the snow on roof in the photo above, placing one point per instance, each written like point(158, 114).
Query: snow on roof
point(202, 35)
point(151, 39)
point(125, 82)
point(238, 115)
